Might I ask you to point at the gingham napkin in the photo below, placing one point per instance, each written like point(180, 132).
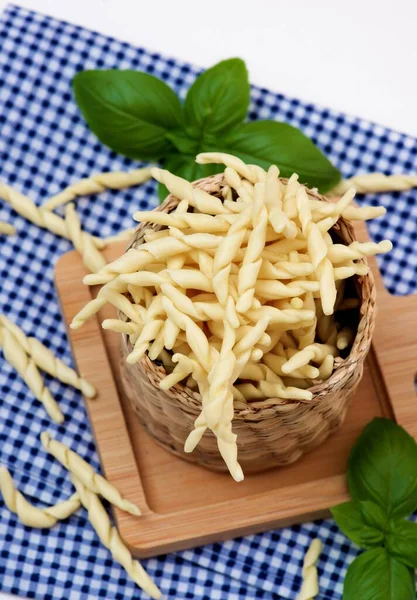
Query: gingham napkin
point(44, 145)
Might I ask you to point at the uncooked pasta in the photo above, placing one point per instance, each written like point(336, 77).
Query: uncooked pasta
point(238, 293)
point(86, 474)
point(310, 585)
point(30, 515)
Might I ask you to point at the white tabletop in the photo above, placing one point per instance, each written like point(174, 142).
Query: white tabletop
point(358, 56)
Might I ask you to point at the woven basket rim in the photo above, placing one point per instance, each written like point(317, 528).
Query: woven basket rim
point(367, 314)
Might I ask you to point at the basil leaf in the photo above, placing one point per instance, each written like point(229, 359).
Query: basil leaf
point(129, 111)
point(162, 192)
point(183, 142)
point(375, 575)
point(383, 468)
point(185, 167)
point(402, 541)
point(269, 142)
point(218, 99)
point(363, 522)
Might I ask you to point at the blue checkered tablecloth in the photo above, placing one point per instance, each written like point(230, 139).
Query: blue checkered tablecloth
point(44, 144)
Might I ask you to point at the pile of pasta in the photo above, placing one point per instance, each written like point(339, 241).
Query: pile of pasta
point(237, 294)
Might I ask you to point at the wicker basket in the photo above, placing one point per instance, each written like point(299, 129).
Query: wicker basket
point(273, 433)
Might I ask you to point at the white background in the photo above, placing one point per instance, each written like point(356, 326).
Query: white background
point(358, 56)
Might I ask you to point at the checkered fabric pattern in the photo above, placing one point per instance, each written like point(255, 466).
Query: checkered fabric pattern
point(45, 144)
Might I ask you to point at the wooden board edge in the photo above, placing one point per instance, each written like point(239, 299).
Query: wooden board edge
point(92, 330)
point(147, 539)
point(130, 531)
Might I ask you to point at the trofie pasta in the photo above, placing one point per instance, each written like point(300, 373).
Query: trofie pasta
point(111, 539)
point(47, 361)
point(6, 228)
point(26, 367)
point(244, 295)
point(86, 474)
point(70, 227)
point(310, 585)
point(25, 207)
point(83, 242)
point(377, 182)
point(97, 183)
point(30, 515)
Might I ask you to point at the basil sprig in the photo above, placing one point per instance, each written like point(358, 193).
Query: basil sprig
point(138, 115)
point(382, 478)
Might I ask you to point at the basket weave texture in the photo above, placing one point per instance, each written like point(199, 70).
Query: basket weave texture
point(274, 432)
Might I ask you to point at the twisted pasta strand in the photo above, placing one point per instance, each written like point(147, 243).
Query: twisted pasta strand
point(314, 352)
point(46, 219)
point(30, 515)
point(185, 278)
point(338, 253)
point(111, 292)
point(226, 253)
point(96, 183)
point(273, 200)
point(110, 538)
point(6, 228)
point(289, 202)
point(306, 335)
point(155, 251)
point(179, 373)
point(28, 209)
point(183, 189)
point(371, 183)
point(252, 173)
point(279, 390)
point(47, 361)
point(149, 333)
point(310, 586)
point(196, 338)
point(317, 250)
point(249, 271)
point(121, 326)
point(286, 318)
point(217, 398)
point(350, 213)
point(230, 368)
point(202, 311)
point(83, 242)
point(86, 474)
point(218, 410)
point(243, 187)
point(200, 223)
point(276, 361)
point(16, 356)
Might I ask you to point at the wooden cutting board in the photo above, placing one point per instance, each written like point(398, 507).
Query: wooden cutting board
point(185, 505)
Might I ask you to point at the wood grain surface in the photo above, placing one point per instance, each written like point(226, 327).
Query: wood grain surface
point(185, 505)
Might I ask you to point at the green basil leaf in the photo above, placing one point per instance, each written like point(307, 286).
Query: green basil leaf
point(218, 99)
point(383, 468)
point(363, 522)
point(185, 167)
point(129, 111)
point(183, 142)
point(374, 575)
point(162, 192)
point(269, 142)
point(402, 541)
